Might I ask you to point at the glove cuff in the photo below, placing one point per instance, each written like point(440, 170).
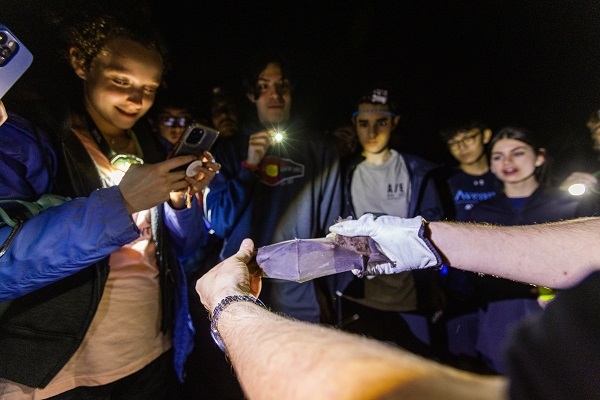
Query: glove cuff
point(424, 234)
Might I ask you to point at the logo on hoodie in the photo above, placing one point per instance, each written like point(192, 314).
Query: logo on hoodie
point(275, 171)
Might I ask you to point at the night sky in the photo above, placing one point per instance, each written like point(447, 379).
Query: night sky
point(532, 63)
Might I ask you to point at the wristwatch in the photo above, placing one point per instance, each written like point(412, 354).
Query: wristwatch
point(214, 332)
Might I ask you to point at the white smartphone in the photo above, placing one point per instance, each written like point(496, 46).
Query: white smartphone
point(15, 59)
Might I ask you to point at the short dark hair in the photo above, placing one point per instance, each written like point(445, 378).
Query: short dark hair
point(452, 130)
point(258, 63)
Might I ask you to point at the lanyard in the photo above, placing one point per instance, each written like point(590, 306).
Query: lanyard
point(112, 156)
point(100, 140)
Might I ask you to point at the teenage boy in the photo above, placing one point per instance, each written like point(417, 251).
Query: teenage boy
point(94, 303)
point(471, 180)
point(383, 181)
point(274, 190)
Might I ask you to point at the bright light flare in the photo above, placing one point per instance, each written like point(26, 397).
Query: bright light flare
point(577, 189)
point(277, 136)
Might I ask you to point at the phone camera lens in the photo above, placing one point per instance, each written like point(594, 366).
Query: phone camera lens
point(5, 52)
point(3, 37)
point(195, 136)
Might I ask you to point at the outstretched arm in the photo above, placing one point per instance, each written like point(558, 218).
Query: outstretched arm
point(277, 357)
point(556, 255)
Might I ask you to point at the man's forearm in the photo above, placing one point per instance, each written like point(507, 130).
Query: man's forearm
point(279, 358)
point(543, 254)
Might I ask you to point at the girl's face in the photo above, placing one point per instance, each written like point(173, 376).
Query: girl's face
point(121, 84)
point(513, 161)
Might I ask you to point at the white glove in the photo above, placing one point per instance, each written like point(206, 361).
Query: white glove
point(400, 239)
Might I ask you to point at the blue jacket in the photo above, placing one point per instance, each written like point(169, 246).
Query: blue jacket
point(296, 194)
point(53, 274)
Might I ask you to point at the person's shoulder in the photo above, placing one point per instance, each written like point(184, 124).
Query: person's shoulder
point(418, 163)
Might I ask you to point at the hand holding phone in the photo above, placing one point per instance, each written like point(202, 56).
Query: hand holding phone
point(15, 59)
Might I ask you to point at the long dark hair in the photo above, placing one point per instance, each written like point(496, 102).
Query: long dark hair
point(542, 173)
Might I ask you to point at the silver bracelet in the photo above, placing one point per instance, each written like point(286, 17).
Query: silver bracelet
point(214, 332)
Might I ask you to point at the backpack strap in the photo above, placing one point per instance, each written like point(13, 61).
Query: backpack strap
point(14, 213)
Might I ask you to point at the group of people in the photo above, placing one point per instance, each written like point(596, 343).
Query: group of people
point(100, 295)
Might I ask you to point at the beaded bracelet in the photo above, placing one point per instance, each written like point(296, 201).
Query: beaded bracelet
point(214, 332)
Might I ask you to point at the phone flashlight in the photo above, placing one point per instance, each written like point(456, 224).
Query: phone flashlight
point(277, 136)
point(577, 189)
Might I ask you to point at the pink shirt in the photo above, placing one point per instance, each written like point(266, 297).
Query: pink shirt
point(124, 335)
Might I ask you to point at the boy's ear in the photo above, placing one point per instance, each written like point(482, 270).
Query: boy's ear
point(395, 122)
point(77, 62)
point(251, 97)
point(487, 135)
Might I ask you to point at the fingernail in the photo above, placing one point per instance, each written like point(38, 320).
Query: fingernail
point(247, 243)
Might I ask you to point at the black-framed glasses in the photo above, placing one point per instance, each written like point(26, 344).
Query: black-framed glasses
point(467, 140)
point(170, 121)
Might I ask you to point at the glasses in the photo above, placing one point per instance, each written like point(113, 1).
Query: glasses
point(170, 122)
point(467, 140)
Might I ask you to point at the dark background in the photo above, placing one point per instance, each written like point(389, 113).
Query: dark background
point(533, 63)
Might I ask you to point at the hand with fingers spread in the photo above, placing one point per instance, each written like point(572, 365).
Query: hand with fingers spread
point(147, 185)
point(237, 275)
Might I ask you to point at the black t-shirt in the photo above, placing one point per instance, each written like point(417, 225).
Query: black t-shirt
point(556, 355)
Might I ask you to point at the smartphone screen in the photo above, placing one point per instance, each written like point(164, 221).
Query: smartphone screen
point(15, 59)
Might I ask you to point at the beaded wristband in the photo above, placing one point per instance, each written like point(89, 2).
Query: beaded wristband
point(214, 332)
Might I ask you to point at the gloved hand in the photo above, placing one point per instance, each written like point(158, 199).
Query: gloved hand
point(400, 239)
